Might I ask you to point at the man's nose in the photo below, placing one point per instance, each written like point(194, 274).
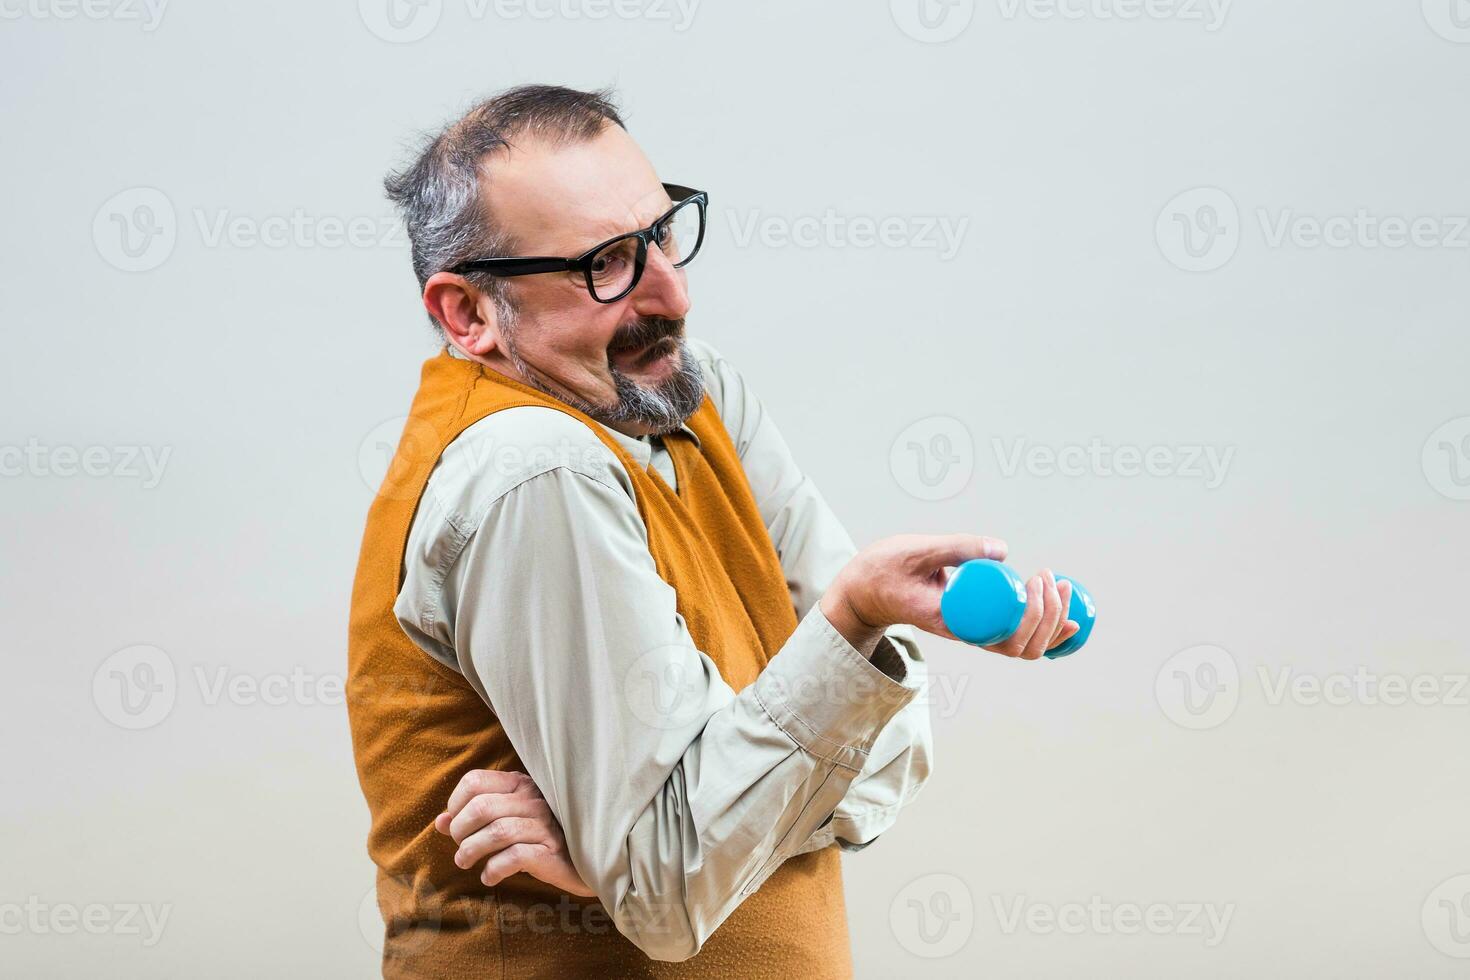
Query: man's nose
point(662, 290)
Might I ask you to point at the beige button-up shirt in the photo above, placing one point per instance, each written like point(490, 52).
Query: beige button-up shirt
point(527, 569)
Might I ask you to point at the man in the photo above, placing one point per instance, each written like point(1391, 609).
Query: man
point(620, 686)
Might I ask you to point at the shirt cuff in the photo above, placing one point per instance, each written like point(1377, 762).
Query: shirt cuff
point(889, 660)
point(907, 661)
point(828, 697)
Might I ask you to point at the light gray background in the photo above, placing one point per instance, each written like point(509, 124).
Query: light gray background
point(1332, 834)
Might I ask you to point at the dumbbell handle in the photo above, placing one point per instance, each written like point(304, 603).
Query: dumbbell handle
point(985, 600)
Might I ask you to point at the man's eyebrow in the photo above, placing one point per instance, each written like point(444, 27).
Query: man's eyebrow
point(622, 228)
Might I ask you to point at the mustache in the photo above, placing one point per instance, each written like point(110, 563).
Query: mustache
point(645, 331)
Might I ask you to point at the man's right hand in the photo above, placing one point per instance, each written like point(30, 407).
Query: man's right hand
point(900, 580)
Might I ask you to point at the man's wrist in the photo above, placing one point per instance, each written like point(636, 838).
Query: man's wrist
point(827, 696)
point(862, 635)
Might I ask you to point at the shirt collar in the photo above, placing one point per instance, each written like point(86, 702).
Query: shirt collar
point(639, 447)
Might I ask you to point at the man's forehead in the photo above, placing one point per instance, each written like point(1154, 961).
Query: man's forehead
point(565, 198)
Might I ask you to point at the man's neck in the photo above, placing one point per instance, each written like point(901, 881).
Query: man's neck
point(505, 368)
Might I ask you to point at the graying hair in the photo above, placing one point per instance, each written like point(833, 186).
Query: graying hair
point(439, 194)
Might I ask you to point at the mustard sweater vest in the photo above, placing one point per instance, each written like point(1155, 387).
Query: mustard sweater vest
point(418, 726)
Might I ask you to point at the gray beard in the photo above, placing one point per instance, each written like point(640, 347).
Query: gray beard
point(662, 409)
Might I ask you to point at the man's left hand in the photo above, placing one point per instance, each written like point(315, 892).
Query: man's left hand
point(502, 816)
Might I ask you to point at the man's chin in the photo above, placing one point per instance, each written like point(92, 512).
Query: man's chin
point(659, 388)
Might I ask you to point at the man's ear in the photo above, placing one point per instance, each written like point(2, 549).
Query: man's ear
point(466, 314)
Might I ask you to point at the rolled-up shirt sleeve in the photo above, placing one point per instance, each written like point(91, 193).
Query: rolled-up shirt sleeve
point(896, 768)
point(677, 796)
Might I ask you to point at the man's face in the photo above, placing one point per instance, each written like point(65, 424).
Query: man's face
point(623, 363)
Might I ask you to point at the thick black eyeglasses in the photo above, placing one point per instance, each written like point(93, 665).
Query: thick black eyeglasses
point(614, 267)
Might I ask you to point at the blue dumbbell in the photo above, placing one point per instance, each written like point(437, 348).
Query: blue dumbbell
point(984, 601)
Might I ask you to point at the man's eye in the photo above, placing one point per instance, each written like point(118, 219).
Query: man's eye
point(606, 264)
